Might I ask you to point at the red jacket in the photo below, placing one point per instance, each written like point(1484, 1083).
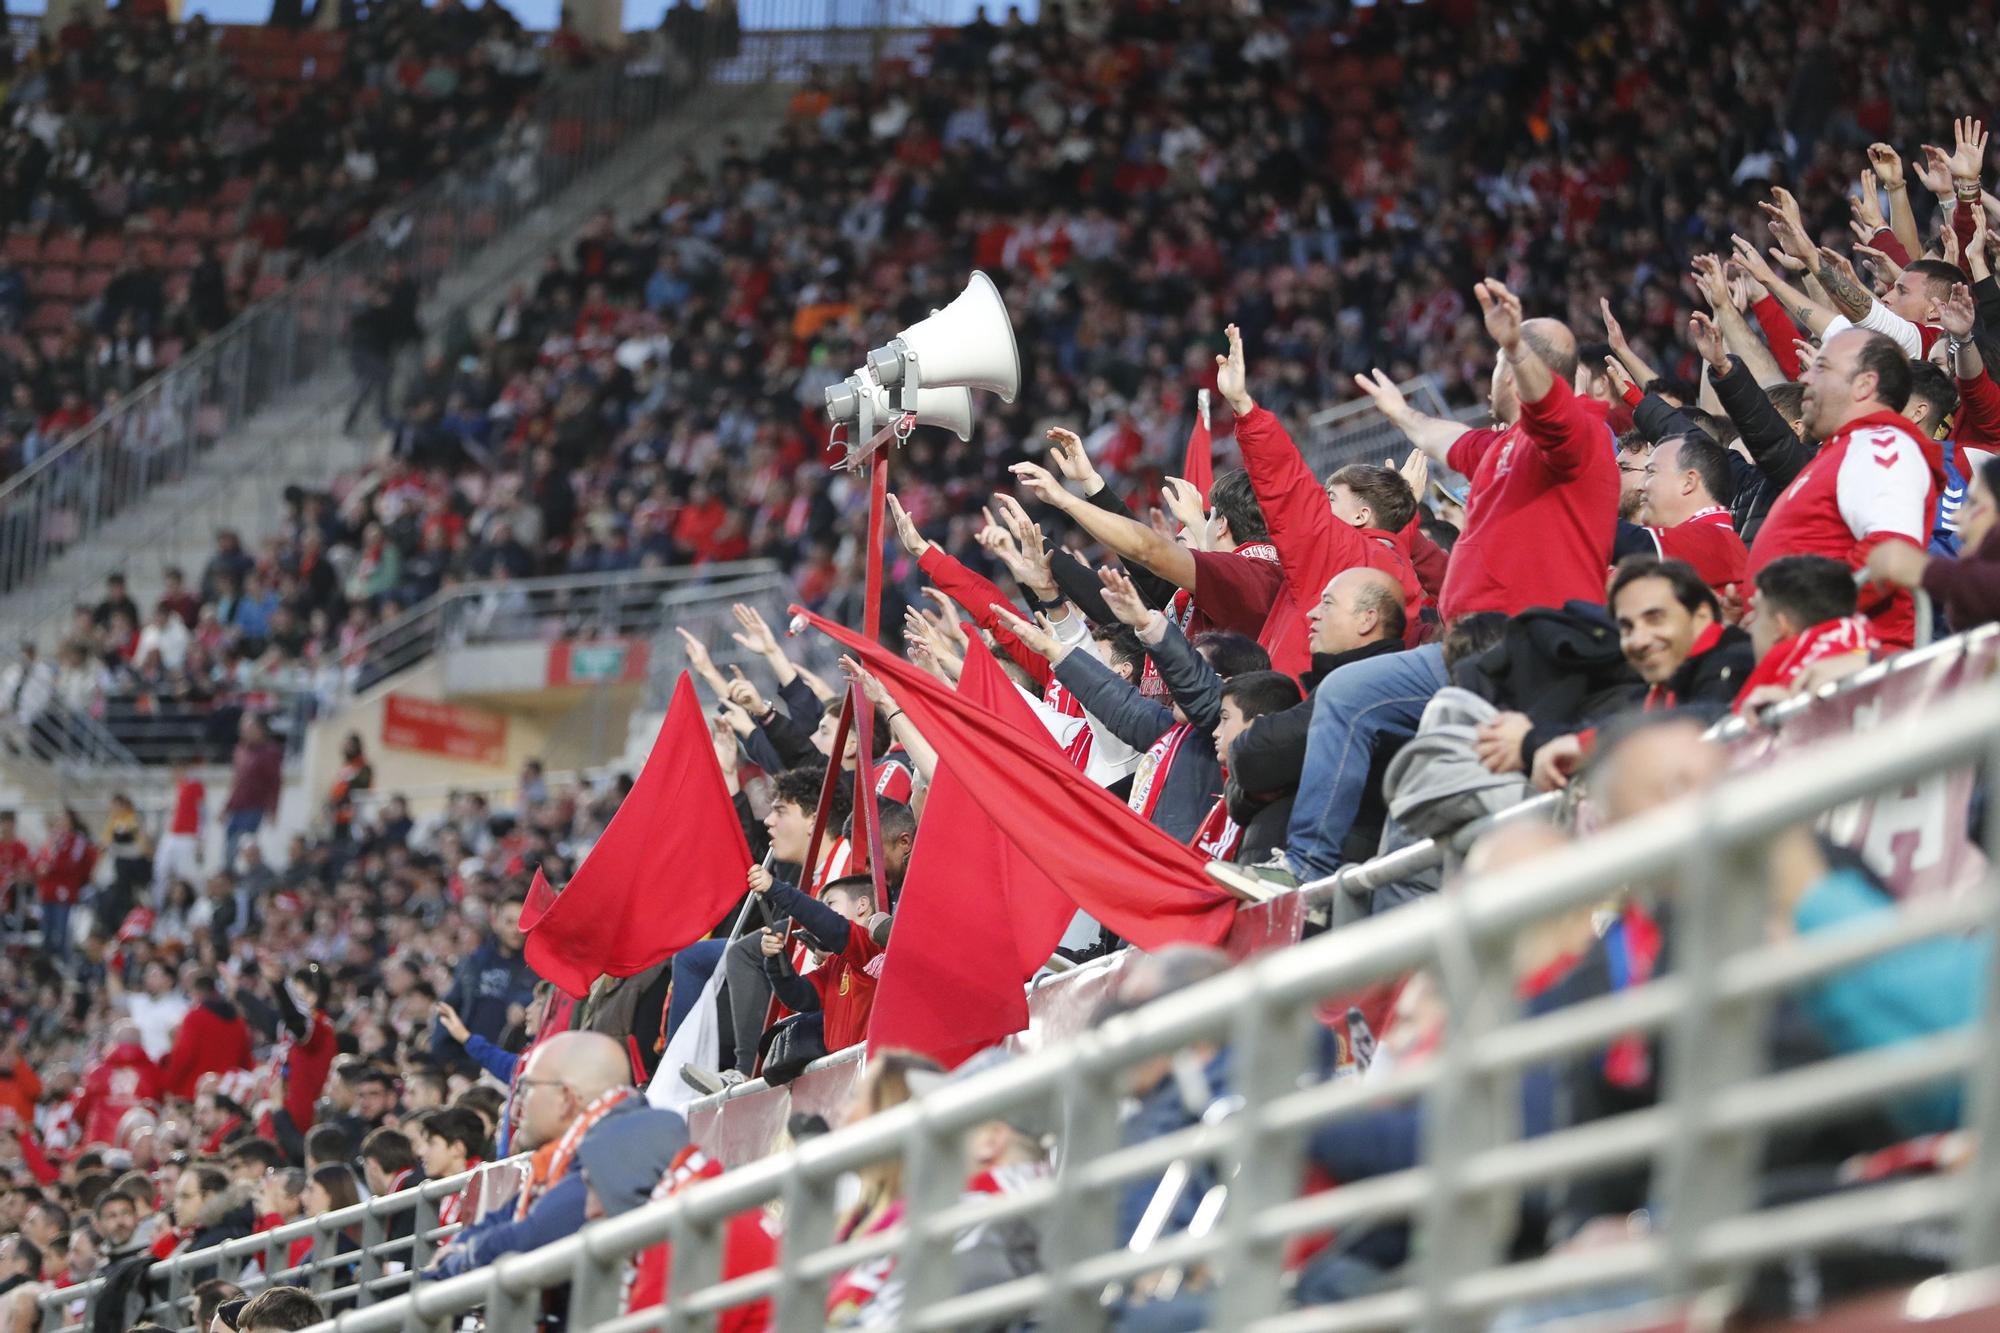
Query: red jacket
point(305, 1065)
point(748, 1246)
point(1708, 541)
point(63, 867)
point(1542, 512)
point(126, 1077)
point(213, 1039)
point(1876, 479)
point(1313, 545)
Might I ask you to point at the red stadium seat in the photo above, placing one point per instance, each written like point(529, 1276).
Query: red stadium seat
point(64, 247)
point(92, 283)
point(107, 250)
point(23, 247)
point(50, 317)
point(56, 283)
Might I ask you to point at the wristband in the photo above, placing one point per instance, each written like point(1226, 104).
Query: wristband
point(1967, 192)
point(893, 716)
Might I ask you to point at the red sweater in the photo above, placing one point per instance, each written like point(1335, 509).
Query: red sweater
point(1313, 545)
point(305, 1065)
point(1876, 479)
point(213, 1039)
point(1542, 512)
point(123, 1079)
point(63, 868)
point(1708, 541)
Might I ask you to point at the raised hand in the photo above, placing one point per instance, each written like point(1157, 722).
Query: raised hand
point(1752, 261)
point(945, 620)
point(1968, 153)
point(1231, 375)
point(1708, 277)
point(872, 688)
point(1792, 240)
point(1885, 269)
point(1123, 598)
point(1707, 340)
point(906, 529)
point(755, 636)
point(700, 663)
point(1072, 460)
point(1614, 332)
point(1957, 313)
point(1976, 263)
point(1028, 539)
point(1621, 378)
point(1502, 312)
point(722, 735)
point(739, 721)
point(1382, 390)
point(1184, 502)
point(1744, 290)
point(1934, 172)
point(1416, 472)
point(1037, 484)
point(453, 1025)
point(744, 695)
point(821, 690)
point(1887, 166)
point(1038, 634)
point(1867, 209)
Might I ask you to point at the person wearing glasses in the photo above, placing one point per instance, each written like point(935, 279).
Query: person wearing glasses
point(568, 1085)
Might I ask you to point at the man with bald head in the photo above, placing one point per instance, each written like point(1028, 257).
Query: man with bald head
point(1544, 498)
point(568, 1085)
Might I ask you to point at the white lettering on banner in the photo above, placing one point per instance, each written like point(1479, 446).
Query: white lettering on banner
point(1917, 838)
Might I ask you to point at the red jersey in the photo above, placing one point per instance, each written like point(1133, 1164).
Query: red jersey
point(1313, 545)
point(1708, 541)
point(846, 985)
point(1876, 479)
point(749, 1245)
point(188, 796)
point(1542, 511)
point(213, 1039)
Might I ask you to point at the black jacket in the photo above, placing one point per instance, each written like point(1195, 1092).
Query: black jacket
point(1563, 668)
point(1778, 455)
point(1708, 682)
point(1187, 790)
point(1270, 754)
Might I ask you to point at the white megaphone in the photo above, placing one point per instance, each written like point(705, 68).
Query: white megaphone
point(947, 409)
point(968, 344)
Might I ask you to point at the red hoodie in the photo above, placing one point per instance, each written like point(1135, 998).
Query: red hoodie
point(1876, 479)
point(1313, 545)
point(126, 1077)
point(213, 1039)
point(1542, 512)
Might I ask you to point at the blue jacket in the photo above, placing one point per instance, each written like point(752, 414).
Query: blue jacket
point(495, 1060)
point(487, 982)
point(1919, 990)
point(556, 1214)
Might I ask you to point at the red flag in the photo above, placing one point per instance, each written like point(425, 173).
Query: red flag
point(1114, 865)
point(668, 866)
point(937, 996)
point(1199, 469)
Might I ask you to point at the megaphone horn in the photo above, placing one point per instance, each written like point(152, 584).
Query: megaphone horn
point(949, 409)
point(968, 344)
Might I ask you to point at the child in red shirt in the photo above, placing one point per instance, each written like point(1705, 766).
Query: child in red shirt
point(847, 960)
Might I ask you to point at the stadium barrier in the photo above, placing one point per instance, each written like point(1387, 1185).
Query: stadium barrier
point(738, 1125)
point(395, 1233)
point(1702, 1139)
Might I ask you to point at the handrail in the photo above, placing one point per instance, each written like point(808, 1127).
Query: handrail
point(178, 1271)
point(1702, 1139)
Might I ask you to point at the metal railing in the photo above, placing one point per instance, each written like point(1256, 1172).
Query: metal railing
point(160, 432)
point(392, 1235)
point(1711, 1226)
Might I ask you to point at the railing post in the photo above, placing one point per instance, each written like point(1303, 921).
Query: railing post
point(1979, 1245)
point(373, 1231)
point(423, 1246)
point(1269, 1046)
point(1705, 1173)
point(933, 1180)
point(1088, 1225)
point(596, 1292)
point(1467, 1110)
point(800, 1304)
point(696, 1264)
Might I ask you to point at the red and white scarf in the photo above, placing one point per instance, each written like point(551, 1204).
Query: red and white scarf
point(1220, 835)
point(1788, 658)
point(1151, 775)
point(546, 1174)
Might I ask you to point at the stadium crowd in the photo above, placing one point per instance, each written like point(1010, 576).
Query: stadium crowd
point(155, 178)
point(1724, 506)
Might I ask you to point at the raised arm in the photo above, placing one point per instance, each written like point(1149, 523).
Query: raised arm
point(1888, 170)
point(1126, 538)
point(1802, 309)
point(1433, 435)
point(1189, 678)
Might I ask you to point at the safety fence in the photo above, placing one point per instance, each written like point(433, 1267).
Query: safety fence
point(358, 1255)
point(1948, 721)
point(1703, 862)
